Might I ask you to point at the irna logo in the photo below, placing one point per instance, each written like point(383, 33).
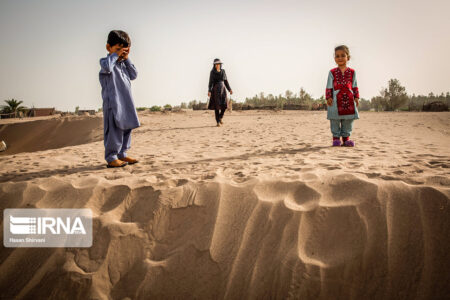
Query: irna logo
point(44, 225)
point(47, 227)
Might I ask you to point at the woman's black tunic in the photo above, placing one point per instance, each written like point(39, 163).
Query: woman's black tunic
point(217, 84)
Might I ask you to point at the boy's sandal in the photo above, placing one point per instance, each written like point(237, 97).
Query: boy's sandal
point(218, 124)
point(349, 143)
point(129, 160)
point(336, 143)
point(117, 164)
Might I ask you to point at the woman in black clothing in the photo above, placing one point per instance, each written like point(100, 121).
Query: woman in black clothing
point(216, 90)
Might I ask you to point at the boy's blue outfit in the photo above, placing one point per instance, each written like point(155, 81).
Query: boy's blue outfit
point(119, 112)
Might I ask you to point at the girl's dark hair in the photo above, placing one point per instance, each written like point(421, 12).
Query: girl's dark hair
point(343, 48)
point(116, 37)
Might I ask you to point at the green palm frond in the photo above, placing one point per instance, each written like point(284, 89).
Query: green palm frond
point(13, 106)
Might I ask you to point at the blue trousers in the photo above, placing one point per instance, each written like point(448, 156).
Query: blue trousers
point(341, 127)
point(116, 140)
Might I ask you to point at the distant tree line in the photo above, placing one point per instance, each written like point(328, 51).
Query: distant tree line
point(289, 100)
point(392, 98)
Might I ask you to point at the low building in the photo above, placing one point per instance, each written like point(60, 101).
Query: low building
point(7, 115)
point(40, 112)
point(82, 112)
point(435, 106)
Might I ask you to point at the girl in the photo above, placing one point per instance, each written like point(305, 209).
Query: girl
point(342, 98)
point(216, 90)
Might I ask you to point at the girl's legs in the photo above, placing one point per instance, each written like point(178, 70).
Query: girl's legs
point(335, 126)
point(346, 128)
point(346, 131)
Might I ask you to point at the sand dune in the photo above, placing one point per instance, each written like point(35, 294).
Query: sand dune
point(50, 133)
point(261, 208)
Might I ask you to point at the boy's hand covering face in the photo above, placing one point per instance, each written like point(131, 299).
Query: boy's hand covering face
point(124, 54)
point(121, 51)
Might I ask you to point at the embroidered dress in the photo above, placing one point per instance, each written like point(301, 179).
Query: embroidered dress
point(343, 88)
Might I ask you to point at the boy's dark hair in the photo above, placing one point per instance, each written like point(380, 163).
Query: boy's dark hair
point(117, 37)
point(343, 48)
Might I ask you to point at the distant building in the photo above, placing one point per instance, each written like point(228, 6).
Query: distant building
point(86, 111)
point(435, 106)
point(7, 116)
point(39, 112)
point(318, 106)
point(295, 107)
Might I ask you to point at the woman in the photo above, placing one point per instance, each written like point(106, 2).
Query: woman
point(216, 90)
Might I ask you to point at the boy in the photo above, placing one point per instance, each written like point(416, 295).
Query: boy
point(119, 113)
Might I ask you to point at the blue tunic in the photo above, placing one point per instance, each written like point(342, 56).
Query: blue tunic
point(332, 111)
point(115, 79)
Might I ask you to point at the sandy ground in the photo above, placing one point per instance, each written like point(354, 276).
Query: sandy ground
point(261, 208)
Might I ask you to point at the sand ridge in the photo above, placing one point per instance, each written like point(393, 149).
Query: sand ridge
point(28, 135)
point(222, 239)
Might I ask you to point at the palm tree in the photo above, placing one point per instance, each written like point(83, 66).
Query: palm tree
point(13, 107)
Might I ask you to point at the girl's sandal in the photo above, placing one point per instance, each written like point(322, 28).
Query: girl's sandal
point(336, 143)
point(349, 143)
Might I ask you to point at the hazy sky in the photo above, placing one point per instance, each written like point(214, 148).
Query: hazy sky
point(50, 49)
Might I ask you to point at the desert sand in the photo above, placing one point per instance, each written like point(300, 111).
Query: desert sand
point(261, 208)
